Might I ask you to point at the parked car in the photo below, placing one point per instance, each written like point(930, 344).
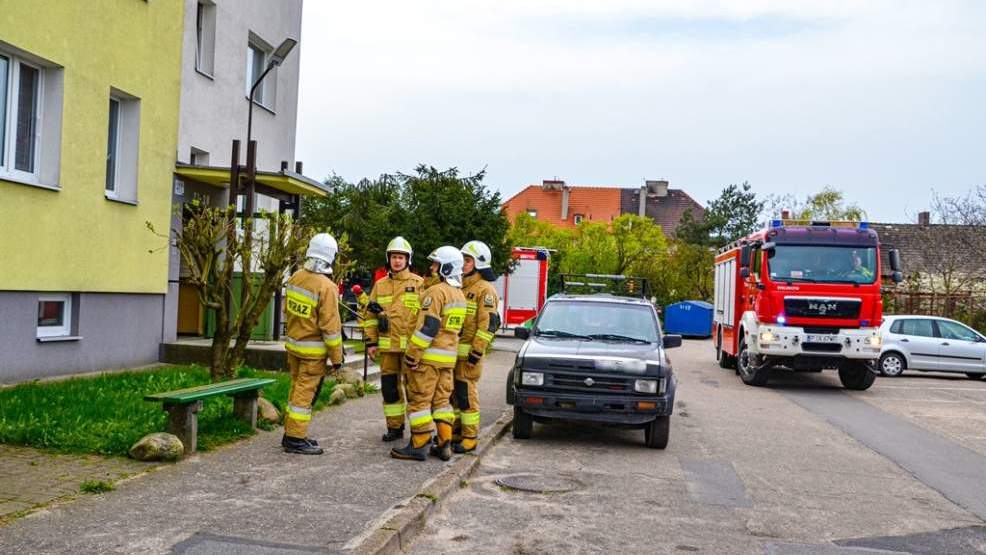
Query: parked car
point(931, 344)
point(595, 358)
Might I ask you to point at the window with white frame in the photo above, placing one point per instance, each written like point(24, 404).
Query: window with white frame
point(205, 37)
point(258, 54)
point(54, 315)
point(532, 213)
point(122, 145)
point(30, 120)
point(579, 218)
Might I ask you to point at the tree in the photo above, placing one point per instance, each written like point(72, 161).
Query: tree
point(212, 248)
point(733, 214)
point(527, 231)
point(827, 204)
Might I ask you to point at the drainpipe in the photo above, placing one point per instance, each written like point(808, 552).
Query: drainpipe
point(564, 203)
point(642, 207)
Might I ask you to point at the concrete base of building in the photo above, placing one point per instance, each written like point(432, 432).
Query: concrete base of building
point(108, 331)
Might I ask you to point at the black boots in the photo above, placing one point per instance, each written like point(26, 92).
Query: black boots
point(443, 452)
point(415, 450)
point(301, 446)
point(393, 434)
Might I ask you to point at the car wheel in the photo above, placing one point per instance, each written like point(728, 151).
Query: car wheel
point(856, 376)
point(748, 367)
point(974, 375)
point(510, 387)
point(523, 424)
point(892, 365)
point(657, 431)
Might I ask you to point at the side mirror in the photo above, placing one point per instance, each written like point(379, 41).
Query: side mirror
point(744, 273)
point(522, 333)
point(745, 256)
point(671, 341)
point(894, 255)
point(897, 277)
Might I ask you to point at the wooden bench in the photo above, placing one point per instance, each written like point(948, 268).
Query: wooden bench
point(183, 405)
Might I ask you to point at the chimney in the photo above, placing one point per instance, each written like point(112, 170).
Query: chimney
point(298, 168)
point(564, 203)
point(659, 187)
point(642, 207)
point(924, 218)
point(553, 184)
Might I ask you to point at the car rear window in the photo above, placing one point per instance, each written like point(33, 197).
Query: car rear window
point(917, 327)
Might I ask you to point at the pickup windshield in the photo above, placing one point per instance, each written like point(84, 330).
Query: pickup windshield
point(625, 323)
point(822, 264)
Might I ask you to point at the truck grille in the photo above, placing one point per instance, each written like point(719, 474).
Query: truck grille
point(822, 347)
point(582, 382)
point(822, 308)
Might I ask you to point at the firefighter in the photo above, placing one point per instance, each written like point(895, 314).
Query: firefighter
point(430, 358)
point(390, 314)
point(482, 321)
point(314, 335)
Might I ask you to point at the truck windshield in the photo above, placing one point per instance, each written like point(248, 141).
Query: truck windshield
point(823, 264)
point(598, 320)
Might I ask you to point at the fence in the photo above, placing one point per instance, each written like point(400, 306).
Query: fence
point(965, 307)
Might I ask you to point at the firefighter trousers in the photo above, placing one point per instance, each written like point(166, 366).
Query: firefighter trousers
point(465, 401)
point(428, 392)
point(392, 378)
point(306, 383)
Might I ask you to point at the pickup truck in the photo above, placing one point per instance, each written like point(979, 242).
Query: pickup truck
point(595, 358)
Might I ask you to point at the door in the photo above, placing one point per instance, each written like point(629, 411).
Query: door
point(189, 311)
point(962, 349)
point(917, 338)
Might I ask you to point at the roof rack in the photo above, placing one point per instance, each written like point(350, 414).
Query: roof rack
point(626, 286)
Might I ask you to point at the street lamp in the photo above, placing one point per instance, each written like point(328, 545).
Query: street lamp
point(276, 59)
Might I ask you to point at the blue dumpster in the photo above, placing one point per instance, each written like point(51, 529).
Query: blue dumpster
point(689, 318)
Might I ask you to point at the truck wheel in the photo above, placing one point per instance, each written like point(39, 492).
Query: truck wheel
point(510, 387)
point(856, 376)
point(725, 359)
point(656, 433)
point(523, 424)
point(746, 365)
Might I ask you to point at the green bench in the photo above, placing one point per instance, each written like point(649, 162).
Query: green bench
point(183, 405)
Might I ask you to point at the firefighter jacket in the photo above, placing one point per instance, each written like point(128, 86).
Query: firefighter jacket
point(436, 336)
point(314, 326)
point(392, 311)
point(429, 281)
point(482, 318)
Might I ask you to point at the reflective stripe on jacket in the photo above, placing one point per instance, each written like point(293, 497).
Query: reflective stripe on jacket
point(314, 329)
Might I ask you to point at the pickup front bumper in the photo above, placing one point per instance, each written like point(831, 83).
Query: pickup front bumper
point(629, 410)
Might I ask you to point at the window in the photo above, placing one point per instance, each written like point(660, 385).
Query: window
point(54, 315)
point(205, 37)
point(532, 213)
point(258, 56)
point(916, 327)
point(122, 144)
point(579, 218)
point(30, 120)
point(199, 157)
point(951, 330)
point(804, 263)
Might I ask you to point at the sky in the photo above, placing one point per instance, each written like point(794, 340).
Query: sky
point(883, 100)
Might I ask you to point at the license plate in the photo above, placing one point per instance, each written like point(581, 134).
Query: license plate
point(822, 338)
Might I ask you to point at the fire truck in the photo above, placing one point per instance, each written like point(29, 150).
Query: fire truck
point(801, 295)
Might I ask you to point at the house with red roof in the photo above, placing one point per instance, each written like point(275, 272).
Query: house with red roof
point(563, 205)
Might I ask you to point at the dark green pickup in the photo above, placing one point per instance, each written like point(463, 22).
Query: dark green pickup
point(182, 405)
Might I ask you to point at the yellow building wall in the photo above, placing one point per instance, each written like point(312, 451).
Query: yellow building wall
point(75, 240)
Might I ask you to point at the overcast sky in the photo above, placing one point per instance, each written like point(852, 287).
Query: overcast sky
point(883, 100)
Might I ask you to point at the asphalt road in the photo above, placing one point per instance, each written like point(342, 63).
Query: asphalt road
point(802, 466)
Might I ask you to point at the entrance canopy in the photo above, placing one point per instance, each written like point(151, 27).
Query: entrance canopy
point(275, 184)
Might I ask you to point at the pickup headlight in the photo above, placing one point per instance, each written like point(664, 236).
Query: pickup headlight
point(645, 386)
point(532, 378)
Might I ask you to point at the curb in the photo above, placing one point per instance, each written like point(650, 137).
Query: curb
point(394, 531)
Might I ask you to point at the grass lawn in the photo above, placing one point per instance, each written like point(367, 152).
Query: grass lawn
point(107, 414)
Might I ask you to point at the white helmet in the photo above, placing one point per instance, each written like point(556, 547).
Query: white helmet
point(449, 264)
point(399, 244)
point(479, 252)
point(323, 247)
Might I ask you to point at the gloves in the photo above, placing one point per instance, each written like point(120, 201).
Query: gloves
point(411, 362)
point(374, 307)
point(474, 358)
point(383, 324)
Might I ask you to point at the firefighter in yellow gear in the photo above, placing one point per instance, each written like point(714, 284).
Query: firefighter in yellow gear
point(388, 319)
point(314, 336)
point(482, 321)
point(430, 358)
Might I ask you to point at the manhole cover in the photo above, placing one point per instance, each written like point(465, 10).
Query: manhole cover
point(536, 483)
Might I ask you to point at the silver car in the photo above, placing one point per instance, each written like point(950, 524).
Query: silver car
point(931, 344)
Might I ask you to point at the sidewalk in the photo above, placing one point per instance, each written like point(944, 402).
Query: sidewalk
point(251, 497)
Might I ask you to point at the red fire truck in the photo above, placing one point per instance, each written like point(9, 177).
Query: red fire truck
point(802, 295)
